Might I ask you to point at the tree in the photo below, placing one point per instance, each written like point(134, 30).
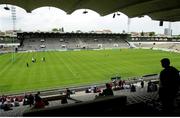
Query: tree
point(151, 33)
point(142, 33)
point(55, 30)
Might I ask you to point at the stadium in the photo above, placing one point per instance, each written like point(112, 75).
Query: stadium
point(52, 62)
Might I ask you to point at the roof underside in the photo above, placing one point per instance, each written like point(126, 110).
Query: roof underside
point(163, 10)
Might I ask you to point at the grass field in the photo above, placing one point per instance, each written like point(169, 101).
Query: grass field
point(73, 68)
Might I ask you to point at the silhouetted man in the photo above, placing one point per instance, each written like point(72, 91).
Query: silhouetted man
point(169, 85)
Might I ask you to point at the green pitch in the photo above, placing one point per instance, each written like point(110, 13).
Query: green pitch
point(74, 68)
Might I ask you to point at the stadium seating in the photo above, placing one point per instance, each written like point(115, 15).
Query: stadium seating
point(159, 45)
point(72, 43)
point(53, 97)
point(100, 107)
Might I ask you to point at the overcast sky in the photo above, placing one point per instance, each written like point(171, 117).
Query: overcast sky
point(46, 18)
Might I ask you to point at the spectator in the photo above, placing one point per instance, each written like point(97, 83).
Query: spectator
point(20, 98)
point(108, 91)
point(25, 101)
point(114, 82)
point(16, 102)
point(88, 90)
point(31, 99)
point(12, 99)
point(149, 87)
point(7, 104)
point(96, 89)
point(133, 88)
point(155, 87)
point(142, 84)
point(152, 87)
point(123, 83)
point(3, 99)
point(169, 85)
point(37, 97)
point(68, 92)
point(120, 83)
point(38, 101)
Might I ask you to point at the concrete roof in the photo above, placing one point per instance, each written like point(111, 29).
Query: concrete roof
point(163, 10)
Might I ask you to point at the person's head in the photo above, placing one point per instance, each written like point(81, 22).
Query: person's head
point(38, 93)
point(108, 85)
point(165, 62)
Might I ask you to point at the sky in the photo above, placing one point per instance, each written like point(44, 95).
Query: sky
point(47, 18)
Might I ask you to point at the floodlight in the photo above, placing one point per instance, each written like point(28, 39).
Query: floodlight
point(160, 23)
point(6, 7)
point(114, 15)
point(118, 14)
point(85, 12)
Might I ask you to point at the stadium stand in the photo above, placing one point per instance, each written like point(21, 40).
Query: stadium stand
point(46, 41)
point(172, 46)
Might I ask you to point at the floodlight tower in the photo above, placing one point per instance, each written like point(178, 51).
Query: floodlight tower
point(13, 15)
point(128, 25)
point(170, 31)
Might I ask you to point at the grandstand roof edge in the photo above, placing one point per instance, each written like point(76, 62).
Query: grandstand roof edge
point(162, 10)
point(67, 33)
